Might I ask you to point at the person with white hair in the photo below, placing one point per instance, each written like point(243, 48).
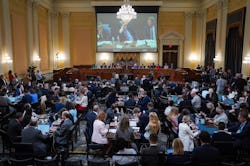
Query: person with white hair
point(221, 116)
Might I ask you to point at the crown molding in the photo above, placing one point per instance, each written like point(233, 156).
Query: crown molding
point(207, 3)
point(133, 3)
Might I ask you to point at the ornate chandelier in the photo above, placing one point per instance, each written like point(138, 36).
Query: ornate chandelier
point(126, 13)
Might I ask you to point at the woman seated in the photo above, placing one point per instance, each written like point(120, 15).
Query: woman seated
point(82, 101)
point(170, 126)
point(153, 126)
point(179, 157)
point(72, 110)
point(100, 130)
point(125, 132)
point(128, 158)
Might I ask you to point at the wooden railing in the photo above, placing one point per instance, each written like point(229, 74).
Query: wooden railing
point(177, 75)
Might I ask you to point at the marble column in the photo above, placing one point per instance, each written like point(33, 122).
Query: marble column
point(203, 38)
point(200, 35)
point(30, 30)
point(8, 35)
point(55, 47)
point(1, 51)
point(246, 43)
point(66, 38)
point(224, 32)
point(36, 51)
point(188, 38)
point(50, 43)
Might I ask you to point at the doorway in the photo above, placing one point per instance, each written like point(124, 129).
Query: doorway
point(170, 55)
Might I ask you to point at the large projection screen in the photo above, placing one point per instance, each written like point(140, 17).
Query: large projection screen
point(139, 35)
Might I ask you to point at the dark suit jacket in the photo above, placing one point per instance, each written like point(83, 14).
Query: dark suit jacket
point(177, 159)
point(14, 130)
point(130, 103)
point(243, 138)
point(154, 155)
point(3, 83)
point(35, 136)
point(62, 133)
point(143, 103)
point(143, 122)
point(206, 154)
point(90, 118)
point(221, 136)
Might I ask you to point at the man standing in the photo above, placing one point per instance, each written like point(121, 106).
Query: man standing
point(90, 118)
point(221, 84)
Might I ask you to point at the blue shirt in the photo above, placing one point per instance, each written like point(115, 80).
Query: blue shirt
point(34, 97)
point(73, 112)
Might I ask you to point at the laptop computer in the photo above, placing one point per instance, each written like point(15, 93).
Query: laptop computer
point(44, 128)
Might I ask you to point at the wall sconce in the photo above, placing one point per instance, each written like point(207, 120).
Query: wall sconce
point(59, 58)
point(36, 58)
point(104, 57)
point(7, 59)
point(193, 57)
point(148, 57)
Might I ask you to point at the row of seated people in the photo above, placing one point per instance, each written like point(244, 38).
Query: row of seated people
point(46, 139)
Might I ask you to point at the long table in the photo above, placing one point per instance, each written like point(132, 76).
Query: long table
point(176, 75)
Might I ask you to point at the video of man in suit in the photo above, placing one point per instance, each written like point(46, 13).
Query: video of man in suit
point(139, 35)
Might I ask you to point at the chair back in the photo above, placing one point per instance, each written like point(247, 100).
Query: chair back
point(130, 164)
point(96, 162)
point(87, 137)
point(4, 162)
point(225, 147)
point(23, 150)
point(21, 162)
point(51, 162)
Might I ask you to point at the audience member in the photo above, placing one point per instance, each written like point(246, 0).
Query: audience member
point(179, 157)
point(241, 131)
point(130, 103)
point(31, 134)
point(124, 131)
point(123, 148)
point(154, 154)
point(153, 126)
point(221, 134)
point(15, 128)
point(196, 100)
point(186, 134)
point(221, 116)
point(90, 118)
point(72, 110)
point(205, 153)
point(100, 130)
point(61, 134)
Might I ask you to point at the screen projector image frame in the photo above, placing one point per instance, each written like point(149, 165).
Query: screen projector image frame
point(139, 35)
